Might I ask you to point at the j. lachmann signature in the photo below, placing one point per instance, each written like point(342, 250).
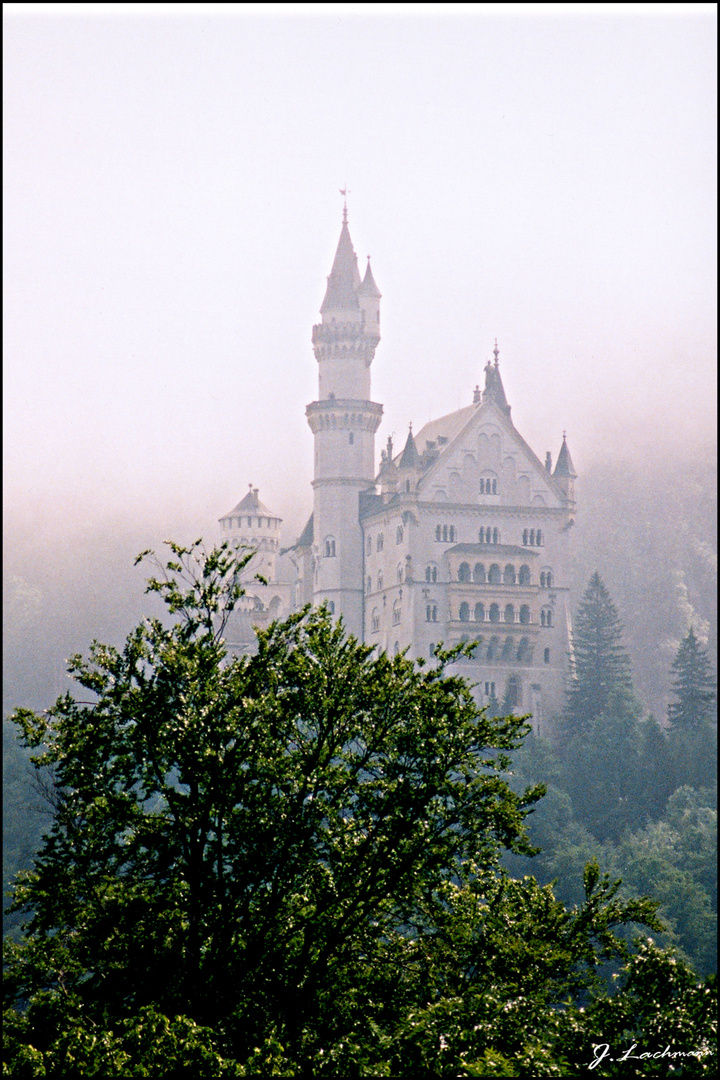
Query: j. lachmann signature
point(602, 1051)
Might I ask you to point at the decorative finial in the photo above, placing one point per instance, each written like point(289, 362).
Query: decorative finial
point(564, 435)
point(496, 353)
point(345, 192)
point(410, 425)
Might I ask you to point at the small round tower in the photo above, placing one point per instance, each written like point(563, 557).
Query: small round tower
point(251, 525)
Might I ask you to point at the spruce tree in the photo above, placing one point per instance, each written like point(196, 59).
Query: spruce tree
point(693, 686)
point(601, 666)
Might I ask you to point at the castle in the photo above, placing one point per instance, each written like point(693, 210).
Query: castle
point(463, 534)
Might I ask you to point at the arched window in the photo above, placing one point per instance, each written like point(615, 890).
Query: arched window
point(525, 614)
point(532, 538)
point(479, 613)
point(399, 535)
point(368, 585)
point(493, 648)
point(546, 656)
point(368, 546)
point(508, 649)
point(542, 579)
point(380, 542)
point(452, 534)
point(509, 613)
point(538, 538)
point(399, 573)
point(479, 575)
point(331, 606)
point(494, 613)
point(496, 536)
point(524, 575)
point(523, 654)
point(546, 617)
point(397, 613)
point(445, 533)
point(329, 547)
point(438, 532)
point(494, 576)
point(481, 535)
point(464, 572)
point(380, 580)
point(375, 620)
point(482, 487)
point(549, 579)
point(431, 572)
point(407, 487)
point(464, 612)
point(513, 692)
point(509, 574)
point(351, 438)
point(431, 613)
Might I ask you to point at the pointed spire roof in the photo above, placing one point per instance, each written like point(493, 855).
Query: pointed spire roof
point(564, 465)
point(344, 278)
point(368, 287)
point(409, 459)
point(494, 390)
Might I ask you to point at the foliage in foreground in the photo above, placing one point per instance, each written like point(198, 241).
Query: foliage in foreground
point(289, 862)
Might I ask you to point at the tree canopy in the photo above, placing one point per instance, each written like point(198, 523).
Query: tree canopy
point(693, 686)
point(289, 861)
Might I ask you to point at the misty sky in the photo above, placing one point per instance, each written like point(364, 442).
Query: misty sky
point(172, 210)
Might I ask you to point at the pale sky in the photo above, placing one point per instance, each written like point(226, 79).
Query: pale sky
point(172, 209)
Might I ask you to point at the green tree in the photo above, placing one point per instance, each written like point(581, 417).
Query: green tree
point(287, 863)
point(693, 686)
point(600, 666)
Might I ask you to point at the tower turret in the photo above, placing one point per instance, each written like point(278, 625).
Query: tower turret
point(343, 421)
point(565, 471)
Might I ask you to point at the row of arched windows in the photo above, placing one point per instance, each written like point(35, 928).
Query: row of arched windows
point(329, 547)
point(488, 487)
point(494, 575)
point(488, 535)
point(431, 572)
point(431, 613)
point(445, 533)
point(546, 579)
point(493, 613)
point(380, 580)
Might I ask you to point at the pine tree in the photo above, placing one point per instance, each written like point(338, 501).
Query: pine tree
point(601, 665)
point(693, 686)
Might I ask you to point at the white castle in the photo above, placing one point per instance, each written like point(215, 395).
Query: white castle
point(462, 535)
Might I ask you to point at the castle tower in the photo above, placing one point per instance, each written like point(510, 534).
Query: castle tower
point(251, 525)
point(343, 421)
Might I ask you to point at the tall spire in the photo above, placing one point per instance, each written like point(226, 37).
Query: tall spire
point(564, 465)
point(344, 277)
point(494, 390)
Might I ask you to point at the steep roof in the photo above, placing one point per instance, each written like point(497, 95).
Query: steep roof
point(445, 427)
point(564, 465)
point(409, 459)
point(344, 278)
point(250, 504)
point(368, 287)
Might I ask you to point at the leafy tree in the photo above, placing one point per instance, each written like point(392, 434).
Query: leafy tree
point(289, 862)
point(693, 686)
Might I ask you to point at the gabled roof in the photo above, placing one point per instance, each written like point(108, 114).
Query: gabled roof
point(250, 504)
point(446, 427)
point(344, 278)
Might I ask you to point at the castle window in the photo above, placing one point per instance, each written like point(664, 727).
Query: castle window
point(331, 606)
point(526, 535)
point(493, 648)
point(351, 438)
point(524, 575)
point(368, 587)
point(542, 579)
point(397, 613)
point(525, 614)
point(399, 573)
point(368, 546)
point(509, 575)
point(546, 617)
point(445, 533)
point(494, 576)
point(399, 535)
point(407, 487)
point(431, 613)
point(452, 534)
point(330, 547)
point(464, 612)
point(479, 574)
point(479, 613)
point(546, 656)
point(532, 538)
point(508, 649)
point(538, 538)
point(524, 651)
point(464, 572)
point(380, 580)
point(509, 613)
point(494, 613)
point(431, 572)
point(375, 620)
point(546, 579)
point(513, 692)
point(438, 532)
point(481, 535)
point(489, 689)
point(380, 543)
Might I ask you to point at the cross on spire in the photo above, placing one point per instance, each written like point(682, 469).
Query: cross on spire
point(496, 353)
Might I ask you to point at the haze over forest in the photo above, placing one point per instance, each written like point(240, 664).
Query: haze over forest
point(171, 213)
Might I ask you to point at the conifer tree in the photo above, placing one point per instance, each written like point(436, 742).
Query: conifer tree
point(601, 666)
point(693, 686)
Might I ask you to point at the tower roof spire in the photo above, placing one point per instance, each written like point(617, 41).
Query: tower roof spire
point(344, 278)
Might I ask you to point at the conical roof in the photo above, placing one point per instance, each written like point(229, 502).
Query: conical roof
point(409, 459)
point(250, 504)
point(368, 287)
point(564, 465)
point(344, 278)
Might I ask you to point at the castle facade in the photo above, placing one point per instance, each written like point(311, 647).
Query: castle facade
point(462, 535)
